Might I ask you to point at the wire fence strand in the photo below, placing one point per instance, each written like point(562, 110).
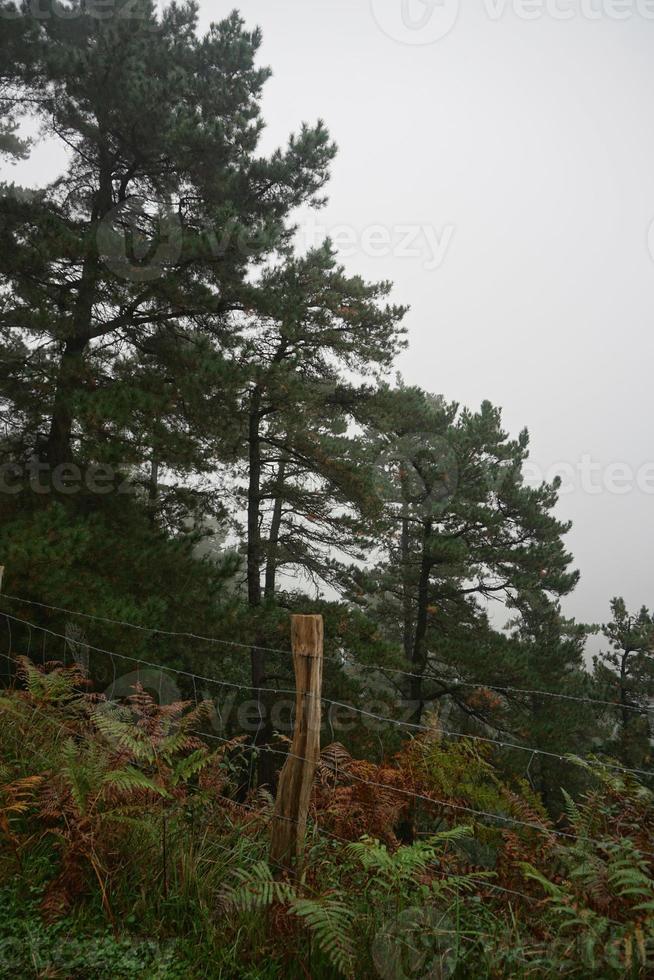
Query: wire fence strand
point(343, 661)
point(408, 726)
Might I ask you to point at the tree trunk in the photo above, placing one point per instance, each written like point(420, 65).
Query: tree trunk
point(266, 767)
point(296, 780)
point(69, 380)
point(405, 559)
point(153, 489)
point(623, 690)
point(70, 376)
point(254, 501)
point(273, 538)
point(419, 655)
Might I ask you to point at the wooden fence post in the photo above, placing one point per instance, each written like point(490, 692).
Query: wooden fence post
point(296, 779)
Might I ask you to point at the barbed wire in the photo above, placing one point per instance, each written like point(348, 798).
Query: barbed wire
point(322, 832)
point(144, 629)
point(410, 726)
point(512, 821)
point(433, 801)
point(311, 824)
point(145, 663)
point(343, 661)
point(387, 786)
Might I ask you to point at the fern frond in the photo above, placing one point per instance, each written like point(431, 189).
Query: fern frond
point(548, 886)
point(78, 776)
point(454, 833)
point(110, 724)
point(256, 888)
point(578, 820)
point(129, 779)
point(329, 920)
point(190, 765)
point(371, 854)
point(456, 883)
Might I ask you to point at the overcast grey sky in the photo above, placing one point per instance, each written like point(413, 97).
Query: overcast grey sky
point(525, 147)
point(497, 163)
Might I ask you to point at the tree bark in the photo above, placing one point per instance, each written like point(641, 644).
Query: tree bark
point(273, 537)
point(623, 689)
point(254, 500)
point(70, 376)
point(296, 781)
point(419, 656)
point(69, 380)
point(407, 612)
point(266, 767)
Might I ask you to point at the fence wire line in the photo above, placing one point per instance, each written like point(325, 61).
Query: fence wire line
point(342, 661)
point(387, 786)
point(396, 789)
point(143, 629)
point(145, 663)
point(434, 802)
point(321, 831)
point(411, 726)
point(312, 824)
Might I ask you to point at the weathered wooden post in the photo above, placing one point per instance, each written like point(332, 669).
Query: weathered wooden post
point(296, 779)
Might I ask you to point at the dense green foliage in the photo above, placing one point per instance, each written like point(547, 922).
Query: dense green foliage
point(199, 436)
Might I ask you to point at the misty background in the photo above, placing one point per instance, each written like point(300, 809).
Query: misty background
point(502, 176)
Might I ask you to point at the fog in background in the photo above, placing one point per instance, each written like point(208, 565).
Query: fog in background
point(496, 161)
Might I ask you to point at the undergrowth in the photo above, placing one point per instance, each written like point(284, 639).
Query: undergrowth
point(131, 848)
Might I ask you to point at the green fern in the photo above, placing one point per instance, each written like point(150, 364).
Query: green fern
point(130, 778)
point(191, 765)
point(83, 769)
point(578, 820)
point(406, 862)
point(456, 883)
point(114, 723)
point(255, 888)
point(552, 890)
point(329, 920)
point(628, 873)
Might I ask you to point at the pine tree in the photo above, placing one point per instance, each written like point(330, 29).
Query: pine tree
point(625, 673)
point(314, 330)
point(311, 331)
point(460, 528)
point(147, 237)
point(548, 652)
point(119, 279)
point(14, 60)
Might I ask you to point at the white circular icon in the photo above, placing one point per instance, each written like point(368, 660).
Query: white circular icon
point(139, 242)
point(415, 21)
